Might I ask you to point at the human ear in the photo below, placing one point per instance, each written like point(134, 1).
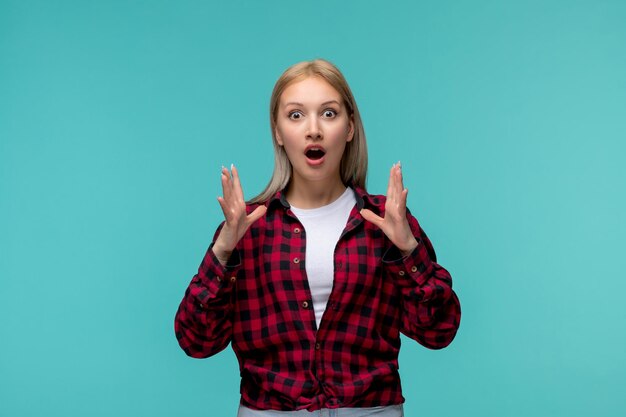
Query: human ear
point(351, 130)
point(278, 138)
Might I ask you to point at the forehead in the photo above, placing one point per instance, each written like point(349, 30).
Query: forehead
point(311, 90)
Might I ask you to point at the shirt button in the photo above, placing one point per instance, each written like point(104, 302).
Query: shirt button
point(413, 268)
point(233, 279)
point(296, 230)
point(401, 273)
point(219, 279)
point(305, 304)
point(317, 346)
point(296, 260)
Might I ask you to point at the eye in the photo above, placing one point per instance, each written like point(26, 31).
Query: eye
point(295, 115)
point(329, 113)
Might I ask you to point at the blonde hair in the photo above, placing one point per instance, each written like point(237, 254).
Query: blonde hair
point(353, 167)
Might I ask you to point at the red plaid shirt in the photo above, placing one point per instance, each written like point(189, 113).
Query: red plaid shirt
point(261, 303)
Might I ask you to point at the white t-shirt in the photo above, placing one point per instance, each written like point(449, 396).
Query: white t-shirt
point(323, 227)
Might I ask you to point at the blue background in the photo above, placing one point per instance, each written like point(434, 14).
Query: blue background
point(115, 117)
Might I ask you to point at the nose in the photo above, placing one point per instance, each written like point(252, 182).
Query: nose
point(314, 131)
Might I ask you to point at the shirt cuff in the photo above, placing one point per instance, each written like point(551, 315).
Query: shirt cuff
point(217, 277)
point(410, 269)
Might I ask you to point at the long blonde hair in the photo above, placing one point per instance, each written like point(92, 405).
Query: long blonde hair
point(353, 168)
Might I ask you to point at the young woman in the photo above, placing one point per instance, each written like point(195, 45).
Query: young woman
point(313, 280)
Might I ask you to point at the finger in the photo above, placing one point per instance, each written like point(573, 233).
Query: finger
point(400, 176)
point(256, 214)
point(225, 172)
point(403, 199)
point(371, 217)
point(238, 192)
point(225, 188)
point(397, 182)
point(226, 184)
point(224, 206)
point(392, 189)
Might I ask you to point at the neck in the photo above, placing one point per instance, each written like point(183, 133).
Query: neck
point(313, 194)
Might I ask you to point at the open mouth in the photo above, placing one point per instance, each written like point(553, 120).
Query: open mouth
point(315, 153)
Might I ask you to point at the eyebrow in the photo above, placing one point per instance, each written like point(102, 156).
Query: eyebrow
point(323, 104)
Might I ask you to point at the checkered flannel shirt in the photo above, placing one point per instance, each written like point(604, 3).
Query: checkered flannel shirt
point(261, 303)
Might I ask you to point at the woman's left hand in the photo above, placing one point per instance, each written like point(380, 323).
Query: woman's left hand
point(395, 224)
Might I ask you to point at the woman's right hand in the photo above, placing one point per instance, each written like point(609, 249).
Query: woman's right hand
point(237, 221)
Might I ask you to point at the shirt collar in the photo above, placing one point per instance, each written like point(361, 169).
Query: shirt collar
point(363, 199)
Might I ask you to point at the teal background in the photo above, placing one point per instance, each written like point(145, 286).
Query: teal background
point(115, 117)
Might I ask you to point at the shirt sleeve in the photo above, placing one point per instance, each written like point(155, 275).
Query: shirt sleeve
point(431, 309)
point(203, 322)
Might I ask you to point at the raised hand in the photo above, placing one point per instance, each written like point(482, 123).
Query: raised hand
point(237, 221)
point(395, 224)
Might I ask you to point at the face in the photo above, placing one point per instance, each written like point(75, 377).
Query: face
point(313, 126)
